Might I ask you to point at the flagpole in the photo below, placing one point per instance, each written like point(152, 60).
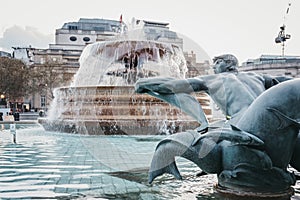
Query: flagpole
point(121, 23)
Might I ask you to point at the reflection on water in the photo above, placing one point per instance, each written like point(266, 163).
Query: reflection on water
point(57, 165)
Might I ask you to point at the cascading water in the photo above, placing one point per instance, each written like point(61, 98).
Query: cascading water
point(103, 63)
point(101, 98)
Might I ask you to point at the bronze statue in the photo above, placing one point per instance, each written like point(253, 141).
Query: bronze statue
point(250, 152)
point(231, 90)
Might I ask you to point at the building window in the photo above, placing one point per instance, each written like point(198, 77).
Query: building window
point(73, 28)
point(43, 101)
point(86, 39)
point(73, 38)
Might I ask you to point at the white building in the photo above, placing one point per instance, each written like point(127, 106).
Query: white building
point(76, 35)
point(274, 65)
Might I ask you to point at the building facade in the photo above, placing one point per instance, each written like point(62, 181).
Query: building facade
point(4, 54)
point(196, 68)
point(274, 65)
point(76, 35)
point(73, 37)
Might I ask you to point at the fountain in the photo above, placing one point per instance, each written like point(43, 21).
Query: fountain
point(101, 100)
point(251, 151)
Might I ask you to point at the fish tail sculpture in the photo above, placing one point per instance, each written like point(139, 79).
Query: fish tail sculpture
point(203, 150)
point(180, 144)
point(251, 155)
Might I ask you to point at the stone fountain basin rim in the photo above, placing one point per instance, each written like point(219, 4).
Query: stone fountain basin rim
point(95, 86)
point(105, 87)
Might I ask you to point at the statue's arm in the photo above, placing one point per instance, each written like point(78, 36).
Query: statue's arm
point(144, 85)
point(170, 85)
point(183, 86)
point(161, 88)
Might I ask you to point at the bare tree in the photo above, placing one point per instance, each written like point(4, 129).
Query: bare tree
point(46, 77)
point(18, 81)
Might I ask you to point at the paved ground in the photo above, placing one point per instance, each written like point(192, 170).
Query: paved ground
point(45, 164)
point(51, 165)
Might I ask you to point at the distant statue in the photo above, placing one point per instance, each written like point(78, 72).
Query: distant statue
point(126, 61)
point(250, 151)
point(130, 61)
point(134, 57)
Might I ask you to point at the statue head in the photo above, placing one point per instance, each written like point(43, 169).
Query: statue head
point(225, 63)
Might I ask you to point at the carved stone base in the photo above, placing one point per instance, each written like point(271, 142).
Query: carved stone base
point(117, 110)
point(247, 195)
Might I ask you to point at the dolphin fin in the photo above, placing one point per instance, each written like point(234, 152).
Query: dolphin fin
point(234, 135)
point(254, 140)
point(285, 121)
point(170, 169)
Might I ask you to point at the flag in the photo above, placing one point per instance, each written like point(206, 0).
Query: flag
point(121, 19)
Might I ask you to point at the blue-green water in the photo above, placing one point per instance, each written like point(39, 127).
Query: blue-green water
point(51, 165)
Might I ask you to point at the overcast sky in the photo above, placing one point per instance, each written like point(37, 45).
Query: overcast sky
point(245, 28)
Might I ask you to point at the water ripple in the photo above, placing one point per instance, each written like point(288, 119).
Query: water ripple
point(49, 165)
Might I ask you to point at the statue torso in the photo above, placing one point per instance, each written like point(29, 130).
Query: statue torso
point(234, 92)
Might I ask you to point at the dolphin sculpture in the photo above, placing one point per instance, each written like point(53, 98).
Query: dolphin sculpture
point(184, 101)
point(250, 155)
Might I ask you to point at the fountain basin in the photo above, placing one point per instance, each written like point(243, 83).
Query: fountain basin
point(117, 110)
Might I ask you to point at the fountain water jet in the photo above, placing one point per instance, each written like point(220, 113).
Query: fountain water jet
point(101, 99)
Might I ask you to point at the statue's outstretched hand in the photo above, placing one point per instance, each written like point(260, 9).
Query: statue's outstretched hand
point(145, 85)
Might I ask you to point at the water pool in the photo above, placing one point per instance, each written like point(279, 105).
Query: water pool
point(53, 165)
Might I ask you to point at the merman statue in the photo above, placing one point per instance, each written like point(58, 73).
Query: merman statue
point(250, 152)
